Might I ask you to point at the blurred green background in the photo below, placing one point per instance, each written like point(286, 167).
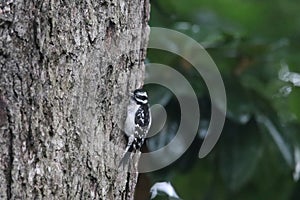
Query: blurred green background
point(255, 45)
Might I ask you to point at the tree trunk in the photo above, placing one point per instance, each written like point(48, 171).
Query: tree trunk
point(66, 69)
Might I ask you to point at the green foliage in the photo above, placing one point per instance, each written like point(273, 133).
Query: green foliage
point(255, 45)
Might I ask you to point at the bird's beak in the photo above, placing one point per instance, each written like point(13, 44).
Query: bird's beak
point(131, 95)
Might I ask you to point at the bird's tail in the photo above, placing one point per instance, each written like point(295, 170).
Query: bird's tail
point(125, 159)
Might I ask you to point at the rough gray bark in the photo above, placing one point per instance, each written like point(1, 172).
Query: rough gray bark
point(66, 69)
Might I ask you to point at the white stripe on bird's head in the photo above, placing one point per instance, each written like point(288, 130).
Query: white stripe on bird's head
point(140, 96)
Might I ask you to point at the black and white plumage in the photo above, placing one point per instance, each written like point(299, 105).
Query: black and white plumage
point(137, 124)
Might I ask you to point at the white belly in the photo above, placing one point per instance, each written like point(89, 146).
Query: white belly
point(129, 123)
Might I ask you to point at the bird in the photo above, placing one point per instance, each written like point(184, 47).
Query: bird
point(137, 123)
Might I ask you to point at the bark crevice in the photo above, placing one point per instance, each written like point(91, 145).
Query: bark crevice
point(9, 167)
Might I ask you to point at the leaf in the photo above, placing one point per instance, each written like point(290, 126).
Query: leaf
point(240, 107)
point(239, 153)
point(278, 137)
